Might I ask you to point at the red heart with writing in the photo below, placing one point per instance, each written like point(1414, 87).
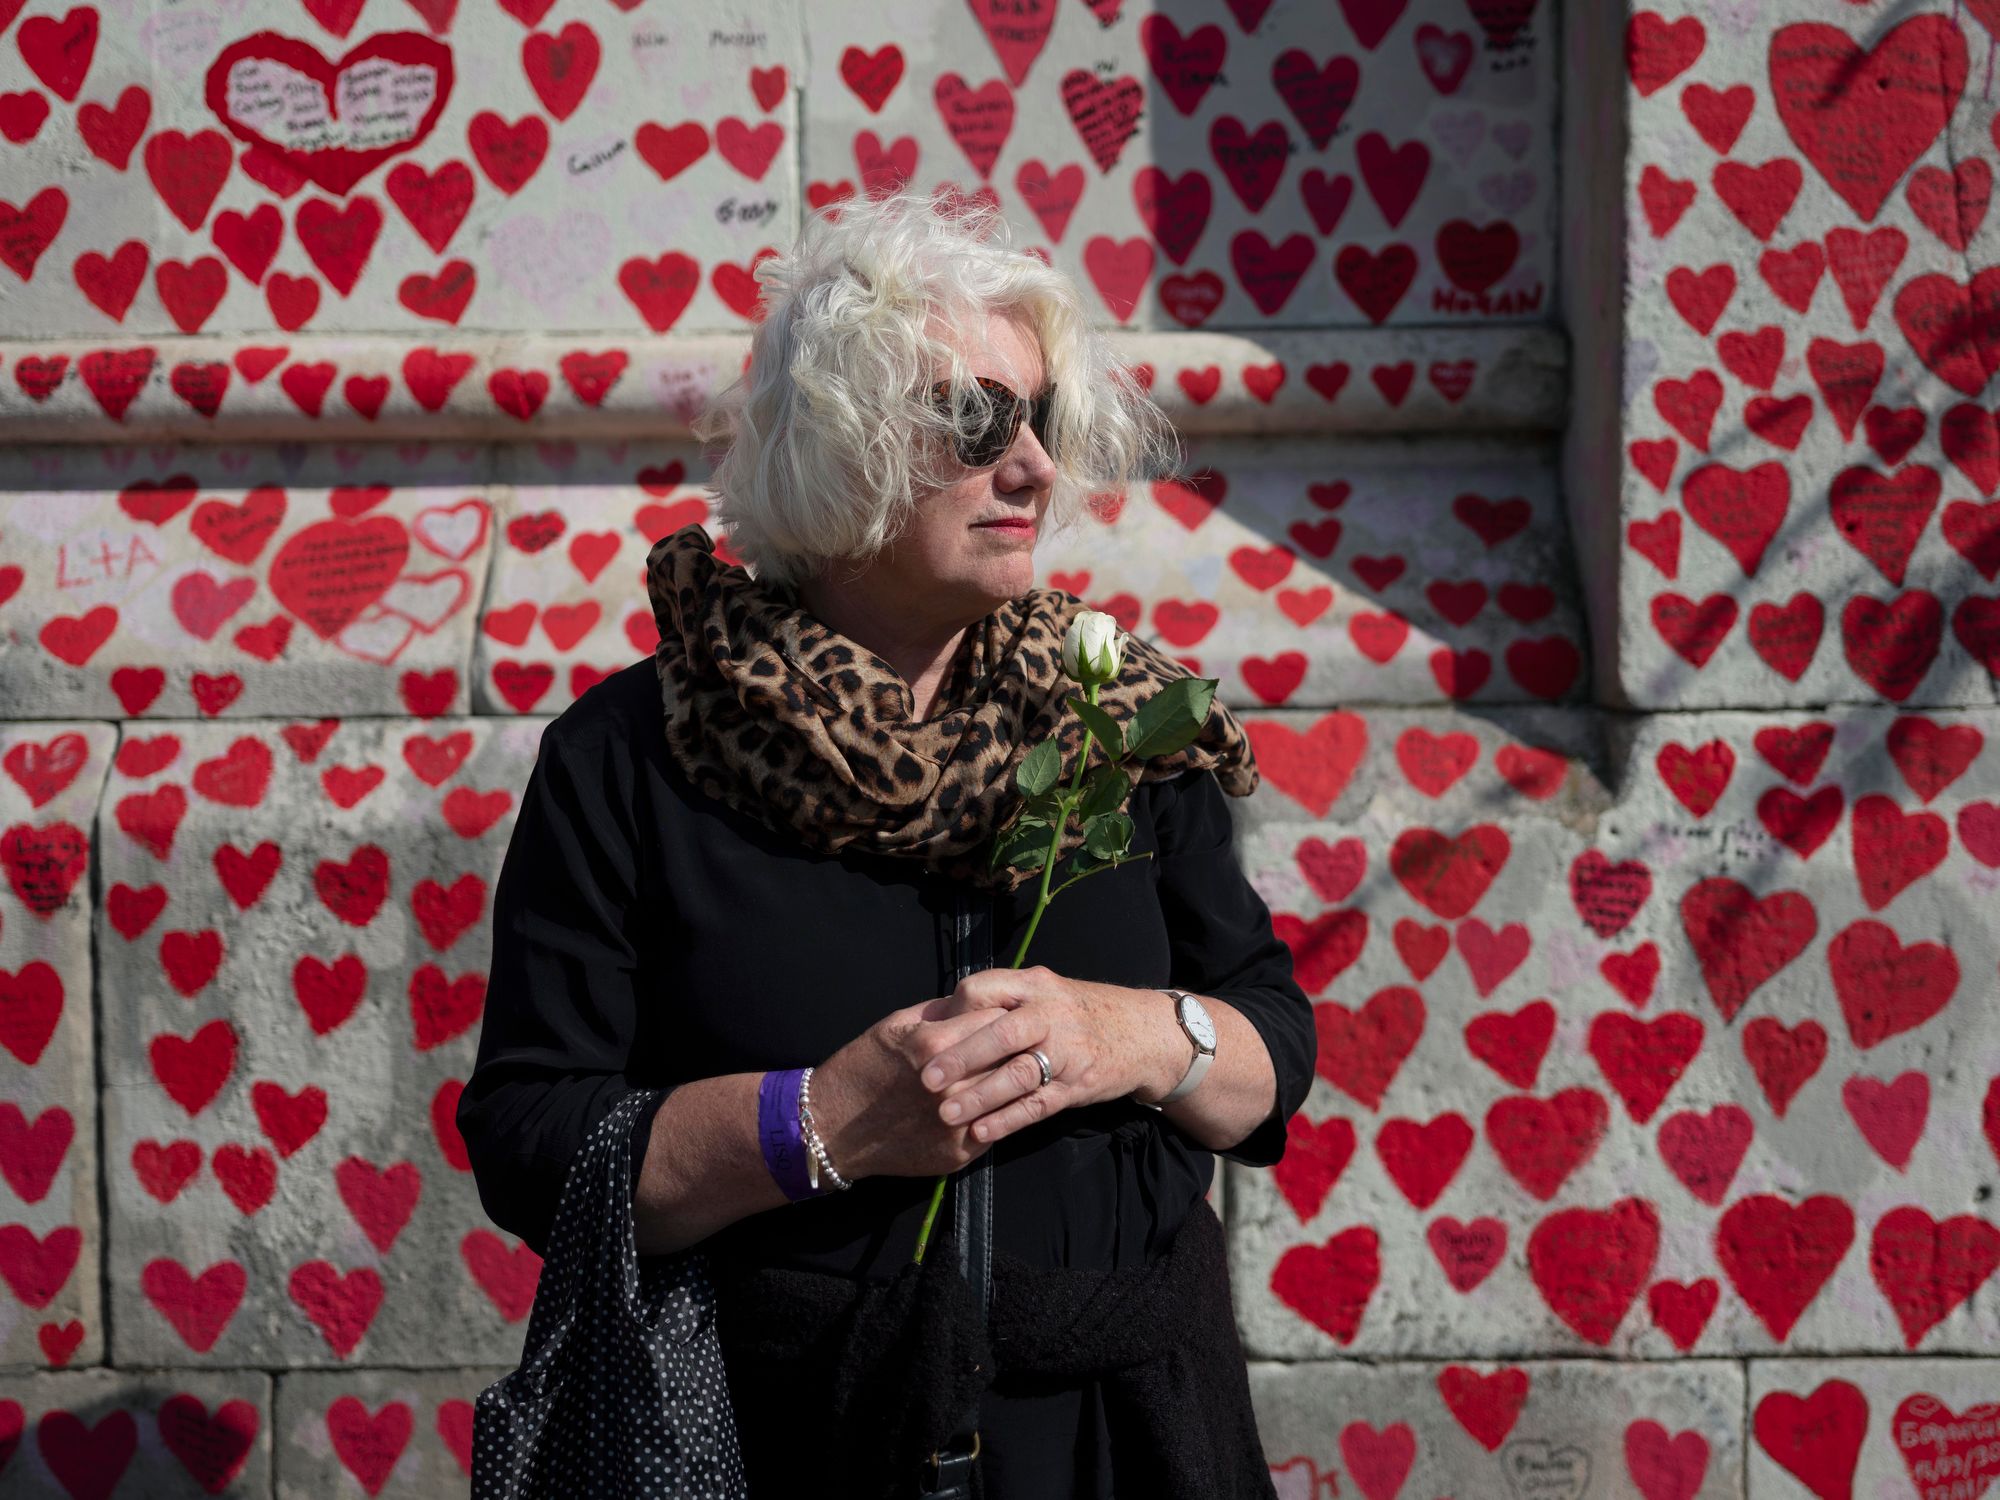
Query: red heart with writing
point(1863, 117)
point(1816, 1437)
point(1947, 1451)
point(1467, 1253)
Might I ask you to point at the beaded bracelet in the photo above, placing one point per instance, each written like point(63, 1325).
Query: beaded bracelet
point(813, 1142)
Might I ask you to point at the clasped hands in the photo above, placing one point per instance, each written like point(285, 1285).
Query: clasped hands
point(1103, 1041)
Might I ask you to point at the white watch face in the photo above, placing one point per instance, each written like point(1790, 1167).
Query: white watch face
point(1195, 1014)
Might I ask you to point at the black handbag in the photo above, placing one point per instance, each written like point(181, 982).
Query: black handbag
point(621, 1392)
point(948, 1473)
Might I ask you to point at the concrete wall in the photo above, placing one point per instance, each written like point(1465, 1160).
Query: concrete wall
point(1605, 567)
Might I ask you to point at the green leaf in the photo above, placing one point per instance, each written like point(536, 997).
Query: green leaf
point(1026, 845)
point(1105, 791)
point(1044, 805)
point(1172, 717)
point(1039, 769)
point(1102, 725)
point(1108, 835)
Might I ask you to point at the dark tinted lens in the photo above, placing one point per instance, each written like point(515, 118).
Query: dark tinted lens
point(986, 445)
point(1038, 419)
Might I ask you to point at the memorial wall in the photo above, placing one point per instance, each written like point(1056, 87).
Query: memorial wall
point(1591, 515)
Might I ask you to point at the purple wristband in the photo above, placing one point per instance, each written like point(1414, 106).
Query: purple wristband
point(778, 1129)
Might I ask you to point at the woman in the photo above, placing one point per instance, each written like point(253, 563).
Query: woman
point(778, 869)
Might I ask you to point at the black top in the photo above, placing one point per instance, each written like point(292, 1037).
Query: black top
point(646, 935)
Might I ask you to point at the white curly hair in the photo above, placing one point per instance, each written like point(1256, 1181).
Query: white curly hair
point(826, 444)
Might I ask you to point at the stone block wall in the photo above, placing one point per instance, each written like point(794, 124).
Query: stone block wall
point(1592, 517)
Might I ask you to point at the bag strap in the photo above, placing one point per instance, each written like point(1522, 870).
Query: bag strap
point(595, 1192)
point(950, 1476)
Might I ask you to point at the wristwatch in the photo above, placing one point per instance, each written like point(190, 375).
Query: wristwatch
point(1194, 1019)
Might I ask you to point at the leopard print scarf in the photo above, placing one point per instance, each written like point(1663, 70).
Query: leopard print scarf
point(782, 718)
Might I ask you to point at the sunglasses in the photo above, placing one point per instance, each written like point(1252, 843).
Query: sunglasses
point(990, 442)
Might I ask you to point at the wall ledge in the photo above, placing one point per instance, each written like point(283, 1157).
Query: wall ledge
point(502, 387)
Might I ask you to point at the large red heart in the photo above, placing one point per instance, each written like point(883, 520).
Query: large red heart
point(340, 1304)
point(198, 1307)
point(1643, 1060)
point(1893, 848)
point(1330, 1284)
point(329, 572)
point(1926, 1267)
point(1312, 768)
point(1884, 987)
point(281, 95)
point(1541, 1141)
point(1741, 939)
point(1359, 1052)
point(1953, 327)
point(1704, 1150)
point(1486, 1406)
point(44, 768)
point(1589, 1264)
point(1449, 875)
point(380, 1199)
point(1422, 1157)
point(368, 1445)
point(507, 1274)
point(1863, 117)
point(212, 1449)
point(1778, 1254)
point(1513, 1045)
point(1315, 1156)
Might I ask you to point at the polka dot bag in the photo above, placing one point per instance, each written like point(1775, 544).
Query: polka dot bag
point(621, 1393)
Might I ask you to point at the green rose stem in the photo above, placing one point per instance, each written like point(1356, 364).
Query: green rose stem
point(1042, 899)
point(1093, 653)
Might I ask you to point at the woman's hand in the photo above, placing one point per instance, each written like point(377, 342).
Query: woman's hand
point(880, 1115)
point(876, 1117)
point(1101, 1041)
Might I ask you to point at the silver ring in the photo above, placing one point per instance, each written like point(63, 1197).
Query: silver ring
point(1042, 1058)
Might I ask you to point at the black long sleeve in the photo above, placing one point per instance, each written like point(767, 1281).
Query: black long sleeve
point(562, 993)
point(1223, 945)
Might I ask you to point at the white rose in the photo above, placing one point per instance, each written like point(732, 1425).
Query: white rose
point(1094, 649)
